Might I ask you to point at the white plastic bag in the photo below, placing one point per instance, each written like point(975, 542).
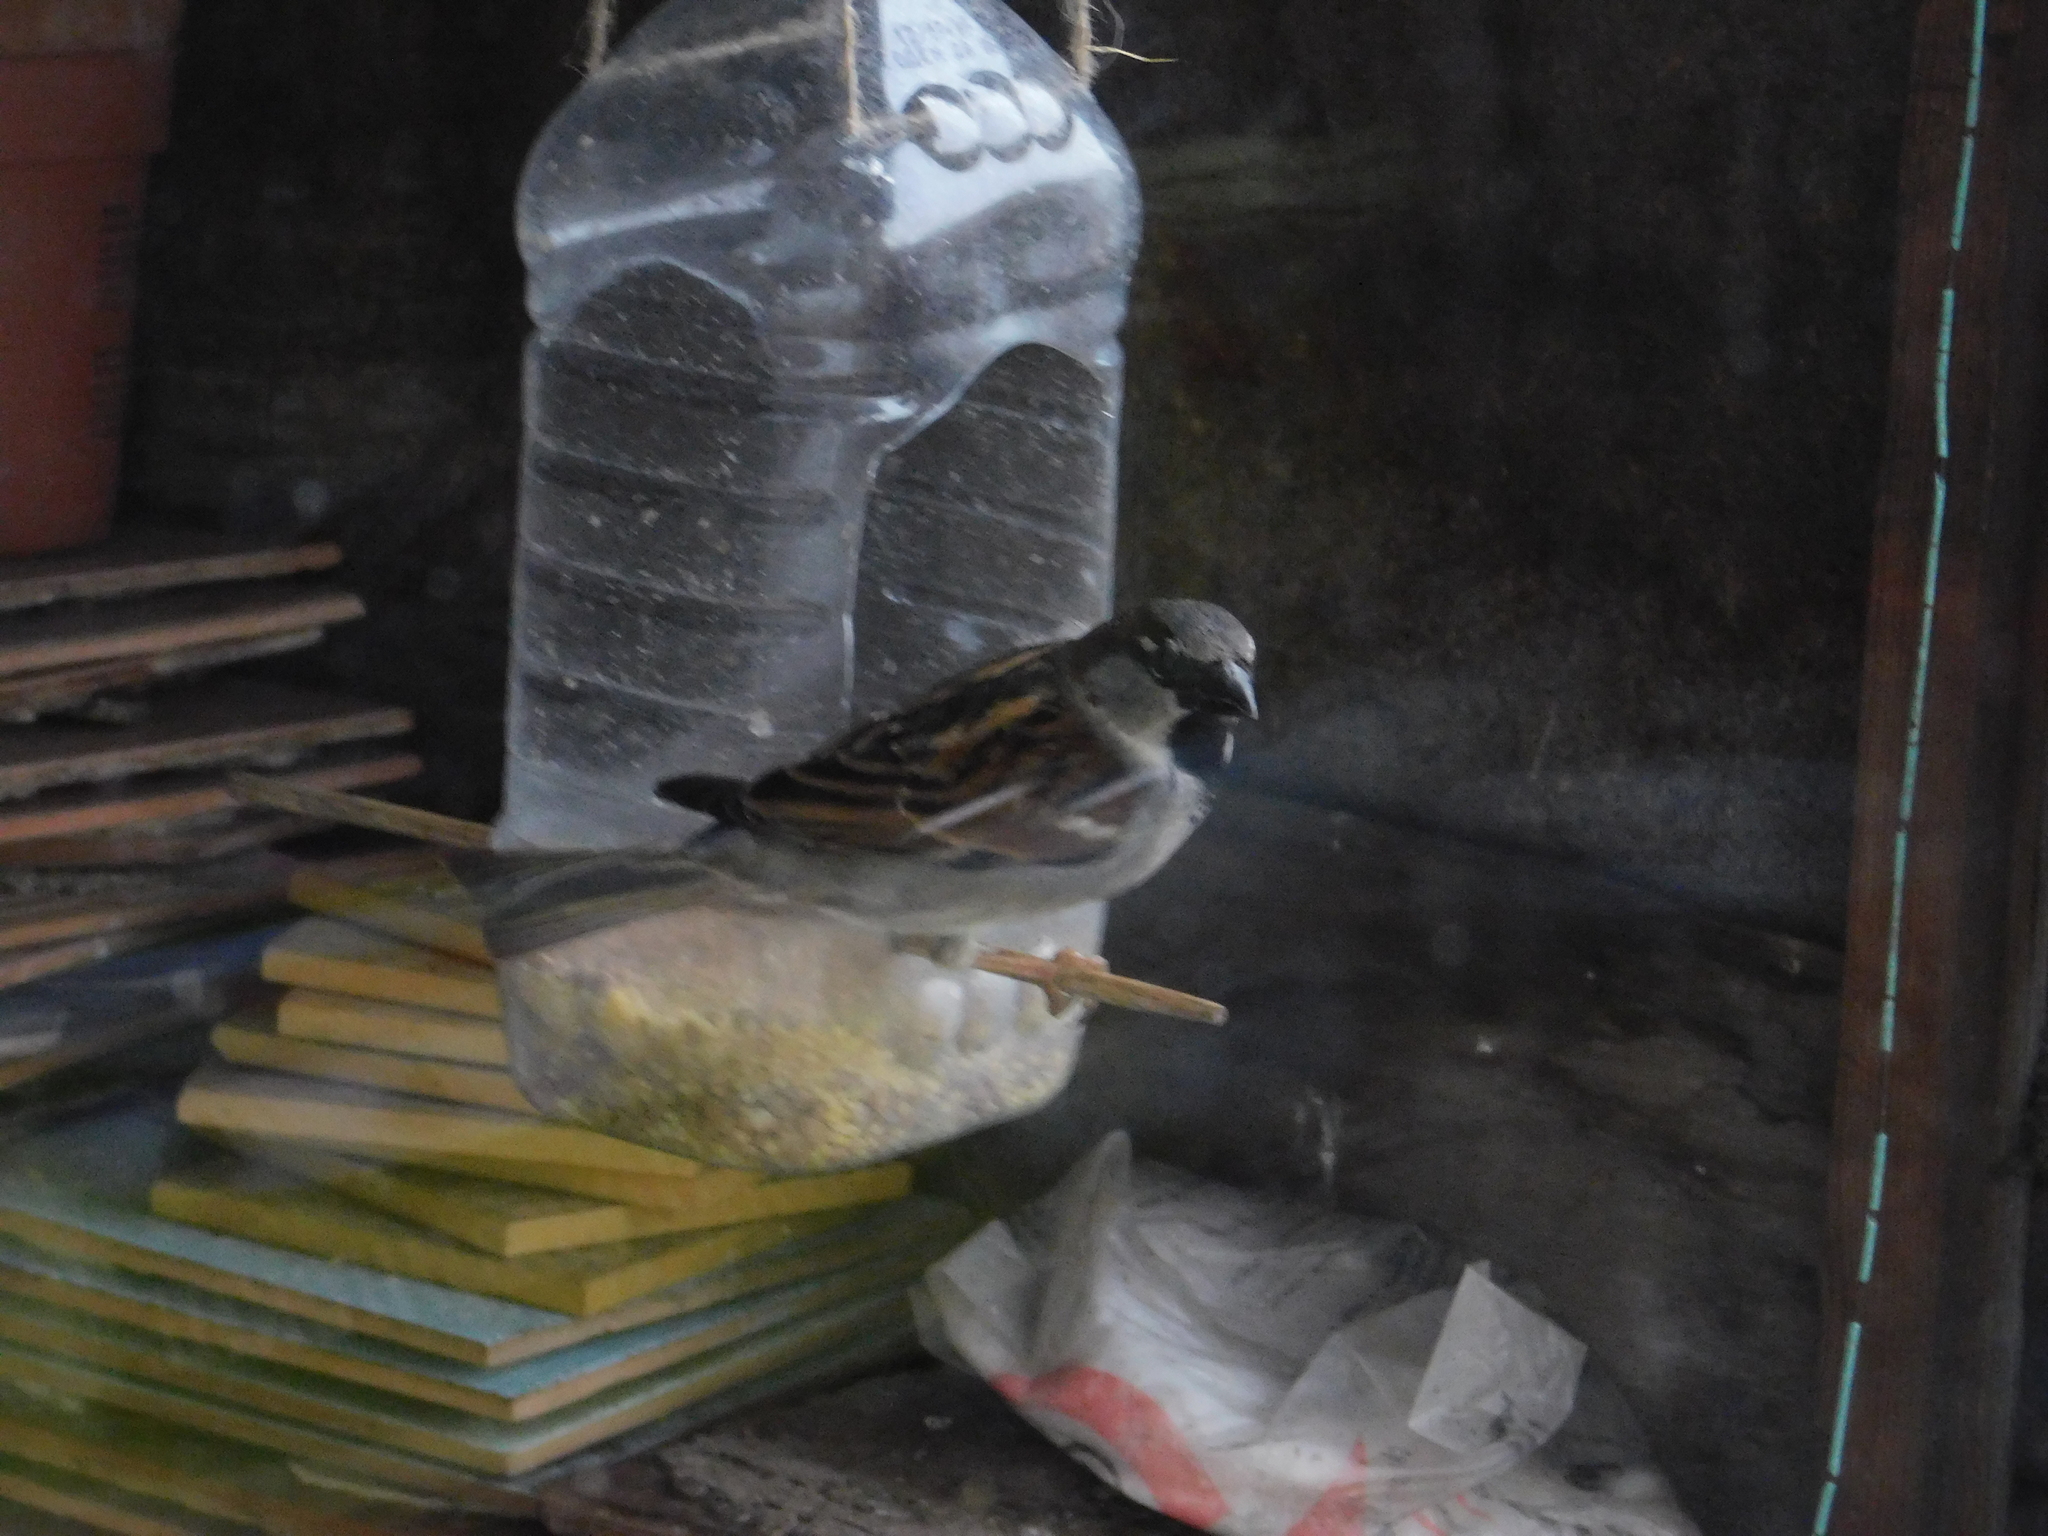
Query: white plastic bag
point(1256, 1368)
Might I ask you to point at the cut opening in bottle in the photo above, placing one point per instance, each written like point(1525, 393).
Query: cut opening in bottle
point(990, 529)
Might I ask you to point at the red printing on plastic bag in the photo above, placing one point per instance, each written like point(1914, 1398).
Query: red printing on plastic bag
point(1135, 1426)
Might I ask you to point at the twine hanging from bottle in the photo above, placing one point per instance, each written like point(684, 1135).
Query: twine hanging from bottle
point(602, 17)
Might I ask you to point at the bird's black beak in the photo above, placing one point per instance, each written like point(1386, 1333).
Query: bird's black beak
point(1227, 691)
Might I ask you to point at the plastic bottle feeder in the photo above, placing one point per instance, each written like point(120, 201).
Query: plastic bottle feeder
point(821, 408)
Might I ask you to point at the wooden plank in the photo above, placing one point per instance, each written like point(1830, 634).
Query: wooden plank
point(83, 810)
point(268, 1205)
point(1944, 968)
point(81, 1189)
point(31, 694)
point(408, 895)
point(331, 956)
point(463, 1440)
point(251, 1040)
point(47, 909)
point(225, 721)
point(391, 1125)
point(511, 1394)
point(180, 841)
point(152, 560)
point(307, 1013)
point(67, 635)
point(512, 1220)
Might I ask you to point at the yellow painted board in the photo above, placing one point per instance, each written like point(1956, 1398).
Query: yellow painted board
point(459, 1439)
point(267, 1205)
point(338, 1019)
point(250, 1040)
point(392, 1126)
point(650, 1192)
point(340, 957)
point(512, 1220)
point(408, 895)
point(199, 1474)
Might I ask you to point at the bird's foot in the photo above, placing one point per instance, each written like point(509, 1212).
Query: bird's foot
point(1068, 960)
point(952, 951)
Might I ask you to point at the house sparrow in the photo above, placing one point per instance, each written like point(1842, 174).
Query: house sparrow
point(1035, 782)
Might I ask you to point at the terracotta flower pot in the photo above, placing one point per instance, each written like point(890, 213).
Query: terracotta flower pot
point(76, 133)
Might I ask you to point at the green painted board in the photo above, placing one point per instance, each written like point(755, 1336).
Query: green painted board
point(82, 1189)
point(43, 1370)
point(86, 1504)
point(362, 1465)
point(512, 1393)
point(204, 1476)
point(462, 1440)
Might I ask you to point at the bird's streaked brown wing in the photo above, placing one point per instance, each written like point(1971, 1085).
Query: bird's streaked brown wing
point(995, 764)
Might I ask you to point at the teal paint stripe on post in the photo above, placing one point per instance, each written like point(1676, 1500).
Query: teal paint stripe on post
point(1955, 232)
point(1827, 1509)
point(1942, 352)
point(1842, 1399)
point(1928, 588)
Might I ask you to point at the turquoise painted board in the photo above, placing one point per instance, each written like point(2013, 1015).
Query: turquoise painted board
point(462, 1440)
point(82, 1189)
point(512, 1393)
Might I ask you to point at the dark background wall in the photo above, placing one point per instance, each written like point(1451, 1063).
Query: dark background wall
point(1514, 369)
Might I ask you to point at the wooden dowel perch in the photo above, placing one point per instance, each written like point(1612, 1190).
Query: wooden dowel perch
point(1066, 975)
point(359, 811)
point(1070, 974)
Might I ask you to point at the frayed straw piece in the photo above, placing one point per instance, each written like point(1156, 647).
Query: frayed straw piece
point(598, 22)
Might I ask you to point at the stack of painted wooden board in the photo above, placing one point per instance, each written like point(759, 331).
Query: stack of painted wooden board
point(365, 1278)
point(117, 731)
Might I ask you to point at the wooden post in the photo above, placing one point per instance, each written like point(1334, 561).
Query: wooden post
point(1944, 978)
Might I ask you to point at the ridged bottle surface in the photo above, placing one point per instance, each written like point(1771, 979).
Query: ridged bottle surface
point(822, 400)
